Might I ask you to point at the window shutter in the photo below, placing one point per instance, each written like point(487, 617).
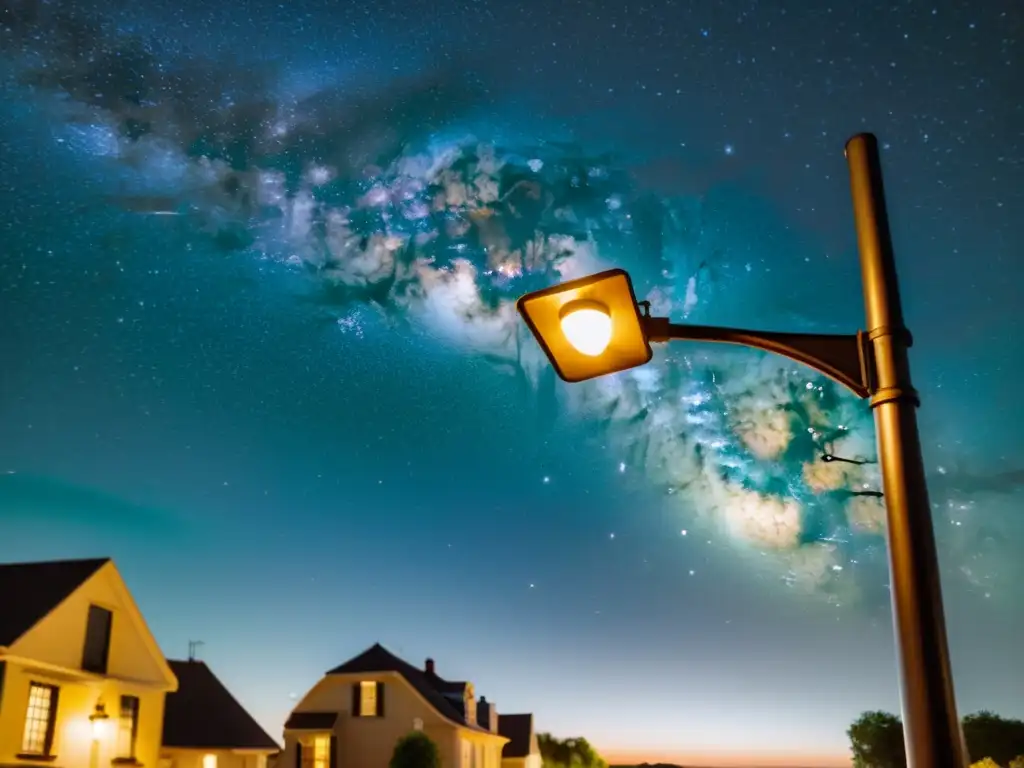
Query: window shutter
point(54, 702)
point(356, 700)
point(380, 699)
point(334, 752)
point(96, 650)
point(298, 754)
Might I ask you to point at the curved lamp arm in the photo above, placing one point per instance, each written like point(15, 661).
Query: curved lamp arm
point(845, 359)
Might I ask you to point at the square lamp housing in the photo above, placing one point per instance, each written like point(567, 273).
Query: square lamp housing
point(613, 292)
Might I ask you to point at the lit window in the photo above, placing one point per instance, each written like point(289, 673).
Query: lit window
point(321, 751)
point(40, 717)
point(209, 761)
point(318, 753)
point(128, 727)
point(368, 698)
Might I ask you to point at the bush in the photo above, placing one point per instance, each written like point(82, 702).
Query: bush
point(416, 750)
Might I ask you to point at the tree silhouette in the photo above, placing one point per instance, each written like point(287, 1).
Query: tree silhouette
point(415, 751)
point(876, 740)
point(989, 735)
point(568, 753)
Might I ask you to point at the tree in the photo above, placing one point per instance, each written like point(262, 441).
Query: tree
point(989, 735)
point(568, 753)
point(415, 751)
point(876, 739)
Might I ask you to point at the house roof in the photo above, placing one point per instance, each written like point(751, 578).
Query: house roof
point(30, 591)
point(518, 729)
point(311, 721)
point(436, 690)
point(202, 714)
point(447, 687)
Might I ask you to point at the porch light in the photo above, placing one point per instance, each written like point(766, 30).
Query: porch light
point(98, 719)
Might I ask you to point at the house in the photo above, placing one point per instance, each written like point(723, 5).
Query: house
point(206, 727)
point(82, 680)
point(522, 750)
point(83, 683)
point(354, 715)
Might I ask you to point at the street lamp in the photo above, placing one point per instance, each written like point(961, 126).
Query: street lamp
point(594, 326)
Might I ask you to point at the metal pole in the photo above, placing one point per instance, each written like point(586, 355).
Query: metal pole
point(931, 728)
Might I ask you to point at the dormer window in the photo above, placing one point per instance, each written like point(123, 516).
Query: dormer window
point(96, 652)
point(368, 699)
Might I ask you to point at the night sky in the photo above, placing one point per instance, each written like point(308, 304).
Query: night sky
point(257, 270)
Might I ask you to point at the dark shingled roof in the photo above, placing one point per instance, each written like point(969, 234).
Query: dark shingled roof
point(519, 730)
point(431, 687)
point(202, 714)
point(29, 591)
point(312, 721)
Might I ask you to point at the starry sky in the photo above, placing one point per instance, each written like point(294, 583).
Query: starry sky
point(257, 283)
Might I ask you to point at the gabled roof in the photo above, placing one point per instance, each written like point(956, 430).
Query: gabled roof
point(30, 591)
point(203, 714)
point(430, 686)
point(518, 729)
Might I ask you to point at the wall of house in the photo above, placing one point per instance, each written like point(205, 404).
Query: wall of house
point(60, 636)
point(530, 761)
point(369, 742)
point(73, 738)
point(196, 758)
point(480, 751)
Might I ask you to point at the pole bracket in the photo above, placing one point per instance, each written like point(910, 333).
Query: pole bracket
point(847, 359)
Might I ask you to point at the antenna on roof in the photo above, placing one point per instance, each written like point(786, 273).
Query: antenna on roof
point(193, 646)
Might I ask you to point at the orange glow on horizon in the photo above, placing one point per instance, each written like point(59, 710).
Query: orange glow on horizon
point(729, 759)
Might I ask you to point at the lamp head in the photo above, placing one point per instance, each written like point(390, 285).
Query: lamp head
point(588, 327)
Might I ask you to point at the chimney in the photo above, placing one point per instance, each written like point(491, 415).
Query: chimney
point(487, 715)
point(430, 666)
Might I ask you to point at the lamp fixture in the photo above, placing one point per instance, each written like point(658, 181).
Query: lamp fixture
point(98, 719)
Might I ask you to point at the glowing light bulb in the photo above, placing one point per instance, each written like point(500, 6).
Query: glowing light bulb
point(588, 326)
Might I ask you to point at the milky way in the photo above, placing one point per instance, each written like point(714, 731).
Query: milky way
point(383, 199)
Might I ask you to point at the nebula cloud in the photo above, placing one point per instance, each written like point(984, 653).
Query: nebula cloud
point(378, 199)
